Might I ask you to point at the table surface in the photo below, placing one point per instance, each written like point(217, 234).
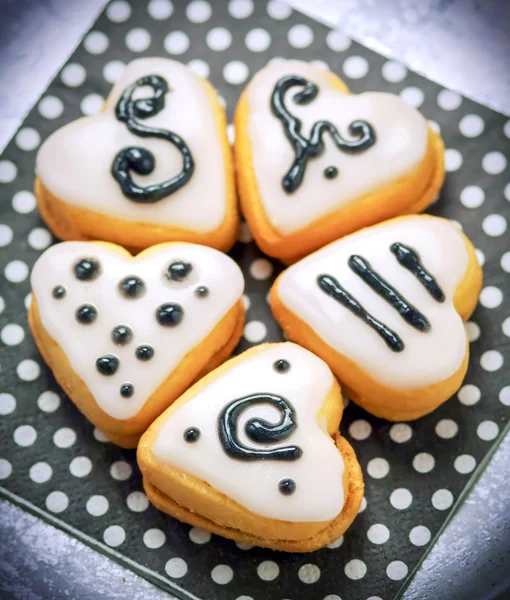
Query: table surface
point(462, 44)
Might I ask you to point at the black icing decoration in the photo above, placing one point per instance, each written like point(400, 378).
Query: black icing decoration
point(59, 292)
point(86, 314)
point(144, 352)
point(281, 366)
point(87, 269)
point(121, 335)
point(178, 271)
point(140, 160)
point(107, 364)
point(286, 486)
point(410, 260)
point(132, 287)
point(330, 172)
point(306, 148)
point(258, 430)
point(127, 390)
point(330, 286)
point(169, 314)
point(191, 435)
point(202, 292)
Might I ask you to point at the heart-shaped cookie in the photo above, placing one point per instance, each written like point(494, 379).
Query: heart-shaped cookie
point(154, 166)
point(252, 452)
point(385, 307)
point(315, 163)
point(126, 336)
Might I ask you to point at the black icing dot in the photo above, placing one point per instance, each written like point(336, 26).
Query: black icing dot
point(330, 172)
point(281, 366)
point(202, 292)
point(169, 314)
point(59, 292)
point(132, 287)
point(121, 335)
point(87, 269)
point(127, 390)
point(178, 271)
point(144, 352)
point(86, 314)
point(191, 435)
point(107, 364)
point(286, 486)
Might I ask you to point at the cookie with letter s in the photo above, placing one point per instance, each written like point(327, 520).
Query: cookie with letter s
point(315, 163)
point(385, 307)
point(252, 452)
point(154, 166)
point(125, 336)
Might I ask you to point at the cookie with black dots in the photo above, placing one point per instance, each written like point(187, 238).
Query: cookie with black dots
point(125, 336)
point(252, 452)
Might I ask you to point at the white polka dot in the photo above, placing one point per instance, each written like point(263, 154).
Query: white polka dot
point(114, 535)
point(401, 432)
point(198, 11)
point(244, 234)
point(456, 223)
point(91, 104)
point(73, 75)
point(378, 468)
point(355, 569)
point(446, 429)
point(80, 466)
point(137, 502)
point(39, 238)
point(246, 302)
point(121, 470)
point(28, 300)
point(23, 202)
point(360, 429)
point(257, 40)
point(235, 72)
point(199, 536)
point(464, 464)
point(506, 191)
point(244, 546)
point(505, 262)
point(492, 360)
point(40, 472)
point(243, 597)
point(487, 430)
point(7, 403)
point(336, 543)
point(419, 535)
point(231, 134)
point(397, 570)
point(176, 42)
point(423, 462)
point(154, 538)
point(469, 394)
point(472, 196)
point(57, 502)
point(378, 534)
point(255, 331)
point(321, 64)
point(309, 573)
point(97, 506)
point(28, 370)
point(491, 296)
point(96, 42)
point(506, 129)
point(401, 498)
point(51, 107)
point(118, 11)
point(222, 574)
point(48, 402)
point(449, 100)
point(6, 235)
point(506, 326)
point(300, 36)
point(138, 39)
point(240, 9)
point(27, 139)
point(452, 159)
point(480, 256)
point(100, 436)
point(362, 505)
point(504, 395)
point(494, 225)
point(8, 171)
point(5, 468)
point(200, 67)
point(12, 334)
point(176, 568)
point(113, 70)
point(278, 10)
point(437, 128)
point(2, 304)
point(355, 67)
point(394, 71)
point(64, 437)
point(218, 39)
point(471, 126)
point(268, 570)
point(261, 269)
point(494, 163)
point(160, 9)
point(412, 96)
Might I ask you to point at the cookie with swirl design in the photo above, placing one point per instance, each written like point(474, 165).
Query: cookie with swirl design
point(154, 166)
point(315, 163)
point(252, 452)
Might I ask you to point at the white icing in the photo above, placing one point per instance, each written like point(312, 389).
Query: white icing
point(84, 344)
point(427, 357)
point(74, 163)
point(319, 494)
point(401, 144)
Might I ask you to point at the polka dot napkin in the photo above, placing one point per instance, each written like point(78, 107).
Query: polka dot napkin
point(53, 462)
